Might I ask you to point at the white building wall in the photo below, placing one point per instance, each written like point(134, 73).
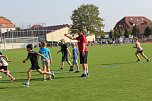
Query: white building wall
point(58, 35)
point(3, 30)
point(91, 38)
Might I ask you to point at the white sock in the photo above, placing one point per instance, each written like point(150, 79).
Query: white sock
point(28, 82)
point(84, 72)
point(87, 70)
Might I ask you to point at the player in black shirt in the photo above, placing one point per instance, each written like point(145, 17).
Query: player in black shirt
point(33, 56)
point(65, 52)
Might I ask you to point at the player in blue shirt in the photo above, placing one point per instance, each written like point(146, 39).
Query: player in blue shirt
point(75, 53)
point(46, 63)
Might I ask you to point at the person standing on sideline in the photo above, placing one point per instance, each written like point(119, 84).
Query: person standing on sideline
point(65, 52)
point(83, 50)
point(46, 63)
point(75, 53)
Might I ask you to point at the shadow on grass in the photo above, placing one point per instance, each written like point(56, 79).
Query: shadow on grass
point(21, 72)
point(120, 63)
point(36, 79)
point(62, 72)
point(67, 77)
point(20, 80)
point(4, 88)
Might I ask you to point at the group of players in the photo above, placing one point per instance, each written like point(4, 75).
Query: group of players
point(46, 58)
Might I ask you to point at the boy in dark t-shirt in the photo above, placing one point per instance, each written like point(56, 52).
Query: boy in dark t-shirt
point(33, 56)
point(65, 52)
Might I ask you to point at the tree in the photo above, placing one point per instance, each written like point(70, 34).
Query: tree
point(111, 34)
point(126, 33)
point(148, 31)
point(135, 31)
point(117, 33)
point(18, 28)
point(86, 18)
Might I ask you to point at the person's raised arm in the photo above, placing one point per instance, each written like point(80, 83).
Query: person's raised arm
point(70, 37)
point(6, 58)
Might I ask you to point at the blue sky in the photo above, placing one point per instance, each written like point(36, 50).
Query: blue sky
point(54, 12)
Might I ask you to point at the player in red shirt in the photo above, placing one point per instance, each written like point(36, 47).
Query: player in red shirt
point(83, 50)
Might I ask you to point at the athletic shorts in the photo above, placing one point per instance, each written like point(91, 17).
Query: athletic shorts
point(36, 67)
point(75, 62)
point(83, 59)
point(46, 62)
point(64, 58)
point(140, 51)
point(3, 67)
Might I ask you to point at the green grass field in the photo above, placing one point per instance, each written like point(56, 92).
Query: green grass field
point(114, 76)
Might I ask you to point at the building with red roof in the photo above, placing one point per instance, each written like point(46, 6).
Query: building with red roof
point(6, 25)
point(129, 21)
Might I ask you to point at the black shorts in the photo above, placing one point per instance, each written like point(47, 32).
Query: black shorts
point(140, 51)
point(35, 67)
point(64, 58)
point(3, 67)
point(83, 59)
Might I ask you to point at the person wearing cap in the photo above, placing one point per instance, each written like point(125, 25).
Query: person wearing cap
point(83, 50)
point(65, 52)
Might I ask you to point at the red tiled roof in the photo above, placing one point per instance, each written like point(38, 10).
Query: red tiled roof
point(5, 23)
point(51, 28)
point(137, 20)
point(129, 21)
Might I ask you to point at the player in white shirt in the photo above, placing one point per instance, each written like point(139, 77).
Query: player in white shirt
point(3, 66)
point(139, 50)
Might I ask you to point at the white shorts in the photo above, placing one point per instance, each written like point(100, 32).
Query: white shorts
point(46, 63)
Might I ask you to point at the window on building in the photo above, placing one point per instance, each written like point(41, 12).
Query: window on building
point(131, 18)
point(142, 18)
point(137, 19)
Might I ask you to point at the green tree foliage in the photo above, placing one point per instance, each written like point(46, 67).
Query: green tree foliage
point(111, 34)
point(135, 31)
point(148, 31)
point(126, 33)
point(86, 18)
point(117, 33)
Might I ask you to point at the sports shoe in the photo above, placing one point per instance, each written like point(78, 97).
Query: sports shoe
point(70, 69)
point(49, 78)
point(44, 79)
point(25, 84)
point(138, 60)
point(148, 60)
point(83, 75)
point(76, 72)
point(12, 79)
point(52, 74)
point(60, 69)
